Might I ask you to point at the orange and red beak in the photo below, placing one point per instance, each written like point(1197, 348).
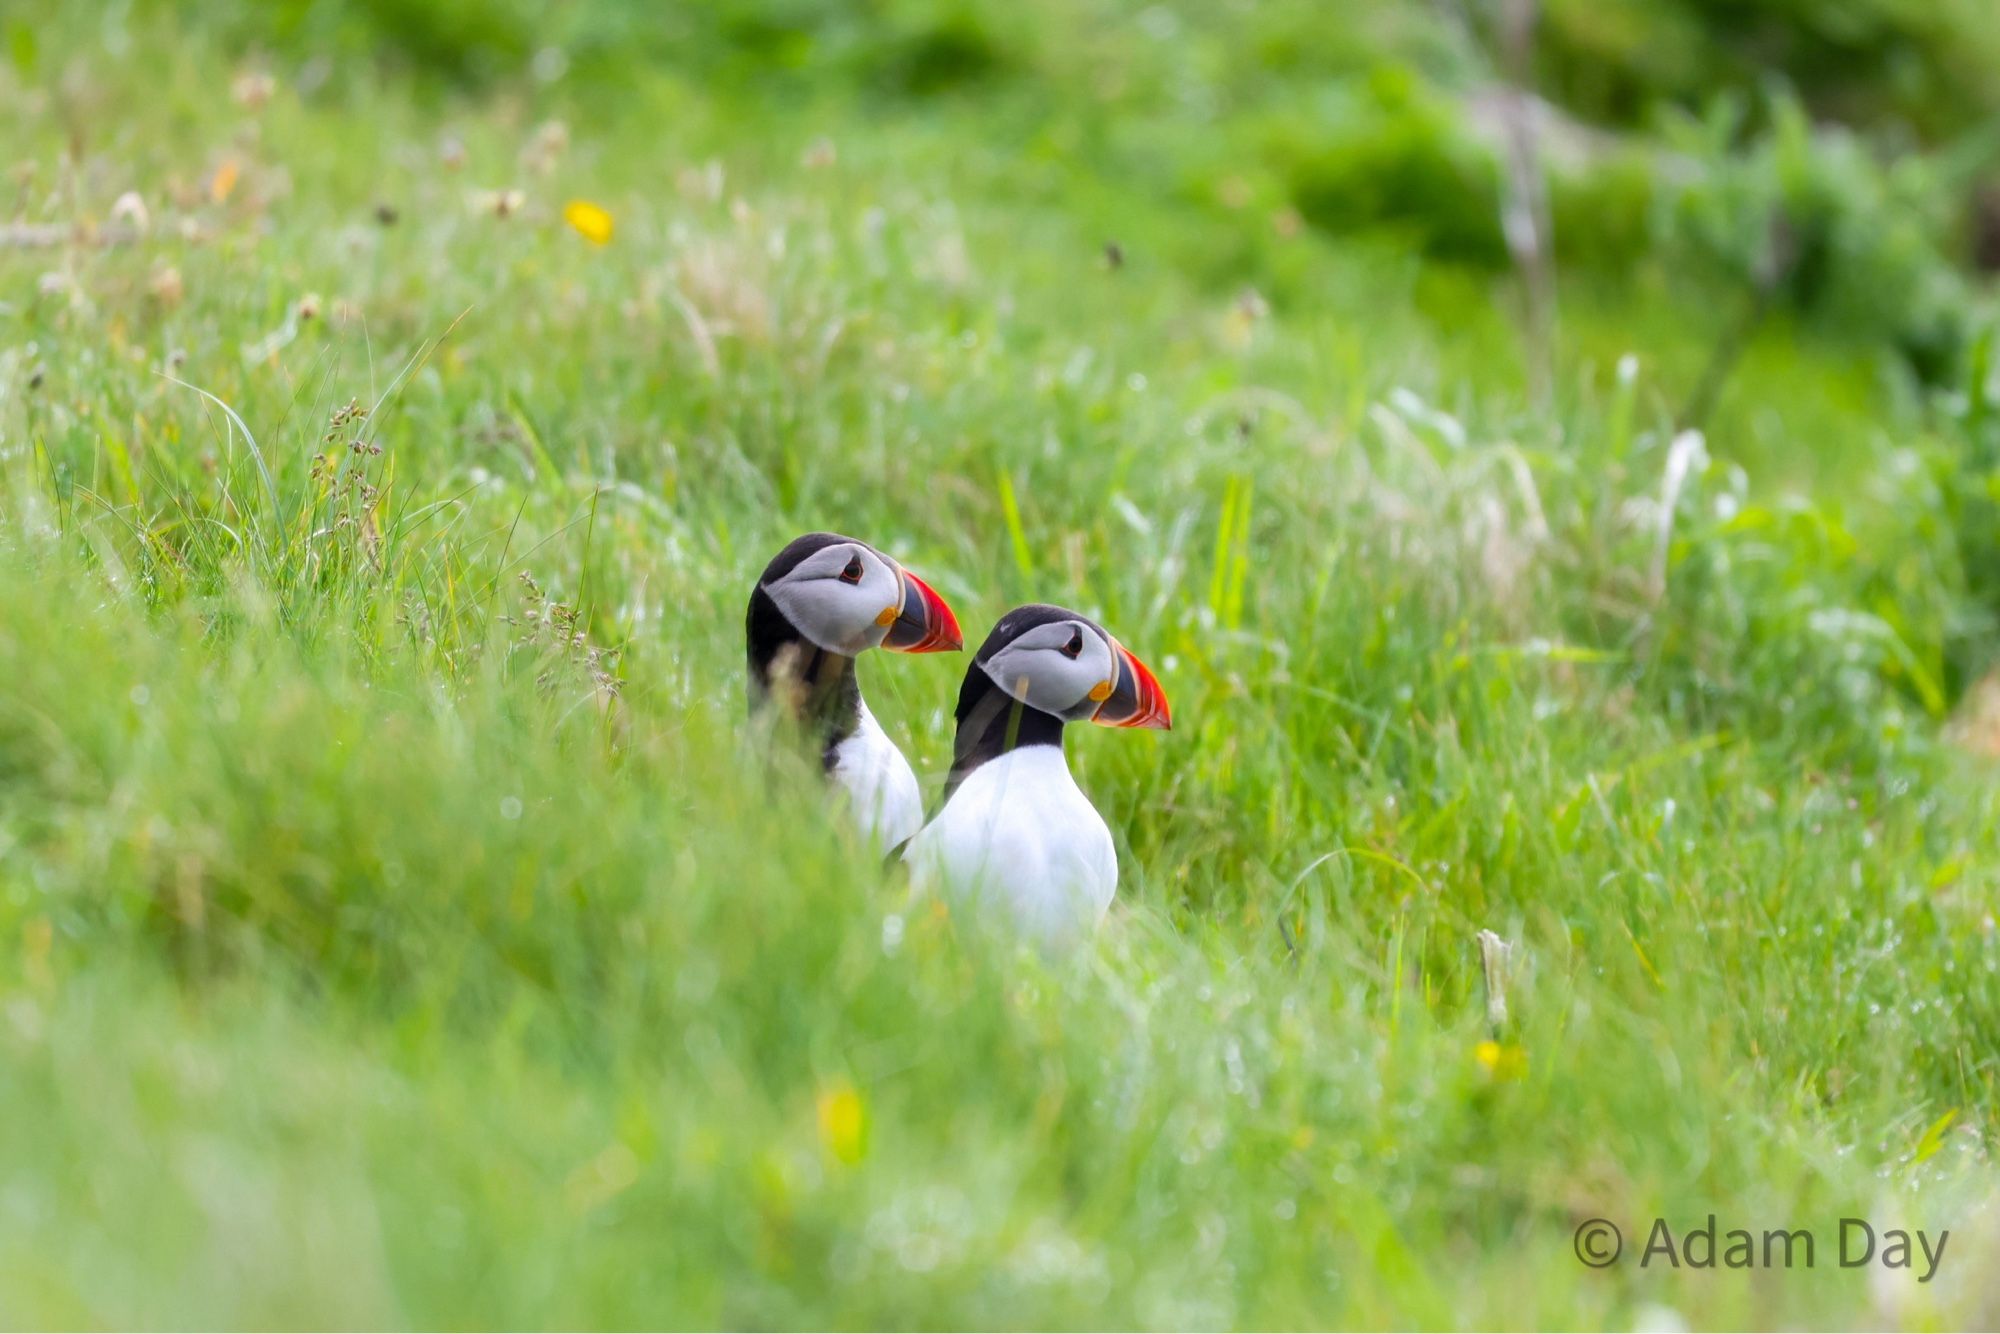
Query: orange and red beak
point(1136, 699)
point(925, 623)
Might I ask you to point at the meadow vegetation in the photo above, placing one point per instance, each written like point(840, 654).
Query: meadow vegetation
point(398, 928)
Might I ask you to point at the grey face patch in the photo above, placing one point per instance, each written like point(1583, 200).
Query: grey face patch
point(842, 597)
point(1056, 667)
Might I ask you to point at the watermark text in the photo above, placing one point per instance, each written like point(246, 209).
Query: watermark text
point(1852, 1243)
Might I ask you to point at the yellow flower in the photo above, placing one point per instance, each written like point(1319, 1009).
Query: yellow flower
point(591, 222)
point(224, 181)
point(1501, 1062)
point(843, 1122)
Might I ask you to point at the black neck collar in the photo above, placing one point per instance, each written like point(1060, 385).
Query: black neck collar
point(817, 684)
point(992, 722)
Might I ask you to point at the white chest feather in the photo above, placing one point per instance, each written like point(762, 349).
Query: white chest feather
point(1020, 834)
point(881, 787)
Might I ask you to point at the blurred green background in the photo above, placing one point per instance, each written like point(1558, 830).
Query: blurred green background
point(1549, 452)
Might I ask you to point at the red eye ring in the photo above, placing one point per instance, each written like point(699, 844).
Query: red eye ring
point(1073, 649)
point(852, 574)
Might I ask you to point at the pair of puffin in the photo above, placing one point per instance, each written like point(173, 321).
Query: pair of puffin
point(1015, 831)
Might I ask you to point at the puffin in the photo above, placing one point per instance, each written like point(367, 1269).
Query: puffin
point(821, 603)
point(1015, 832)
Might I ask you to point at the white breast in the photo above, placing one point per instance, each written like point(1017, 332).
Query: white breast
point(881, 787)
point(1018, 833)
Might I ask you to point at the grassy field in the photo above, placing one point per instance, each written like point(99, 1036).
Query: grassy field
point(396, 927)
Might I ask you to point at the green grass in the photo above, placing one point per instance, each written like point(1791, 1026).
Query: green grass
point(368, 956)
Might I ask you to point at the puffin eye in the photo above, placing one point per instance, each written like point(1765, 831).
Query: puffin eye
point(852, 574)
point(1074, 648)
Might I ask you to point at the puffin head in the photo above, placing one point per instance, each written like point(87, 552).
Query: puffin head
point(844, 596)
point(1067, 665)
